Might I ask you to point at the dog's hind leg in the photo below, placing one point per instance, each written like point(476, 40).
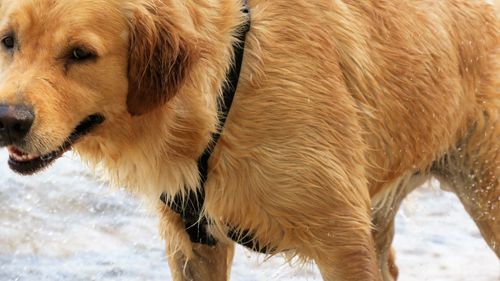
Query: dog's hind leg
point(471, 169)
point(472, 172)
point(191, 261)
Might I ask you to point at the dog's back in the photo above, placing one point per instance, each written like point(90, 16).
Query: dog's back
point(428, 74)
point(430, 63)
point(343, 98)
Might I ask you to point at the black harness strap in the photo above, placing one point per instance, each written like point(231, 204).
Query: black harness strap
point(190, 206)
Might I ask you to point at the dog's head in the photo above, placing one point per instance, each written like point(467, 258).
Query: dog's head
point(69, 69)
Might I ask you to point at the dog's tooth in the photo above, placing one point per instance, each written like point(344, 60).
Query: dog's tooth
point(16, 157)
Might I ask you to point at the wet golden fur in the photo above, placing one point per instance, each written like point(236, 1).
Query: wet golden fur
point(343, 107)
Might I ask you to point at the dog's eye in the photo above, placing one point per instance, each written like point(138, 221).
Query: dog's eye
point(80, 54)
point(8, 42)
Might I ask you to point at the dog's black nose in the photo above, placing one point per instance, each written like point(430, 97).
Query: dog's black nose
point(15, 123)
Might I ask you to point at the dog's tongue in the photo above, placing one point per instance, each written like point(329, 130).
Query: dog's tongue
point(20, 156)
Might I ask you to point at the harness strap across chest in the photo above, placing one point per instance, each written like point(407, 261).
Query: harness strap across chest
point(190, 206)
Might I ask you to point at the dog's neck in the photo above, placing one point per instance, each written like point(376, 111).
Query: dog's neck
point(157, 152)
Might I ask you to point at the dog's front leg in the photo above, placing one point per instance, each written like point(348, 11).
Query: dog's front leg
point(207, 263)
point(192, 261)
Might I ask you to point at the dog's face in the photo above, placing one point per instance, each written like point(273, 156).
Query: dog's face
point(70, 69)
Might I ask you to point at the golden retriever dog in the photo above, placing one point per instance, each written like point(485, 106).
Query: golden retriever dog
point(342, 108)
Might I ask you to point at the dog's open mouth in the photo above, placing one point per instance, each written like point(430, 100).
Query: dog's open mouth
point(27, 164)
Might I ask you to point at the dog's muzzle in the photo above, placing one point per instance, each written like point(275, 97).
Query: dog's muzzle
point(26, 164)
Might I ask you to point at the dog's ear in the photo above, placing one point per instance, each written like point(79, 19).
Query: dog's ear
point(161, 54)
